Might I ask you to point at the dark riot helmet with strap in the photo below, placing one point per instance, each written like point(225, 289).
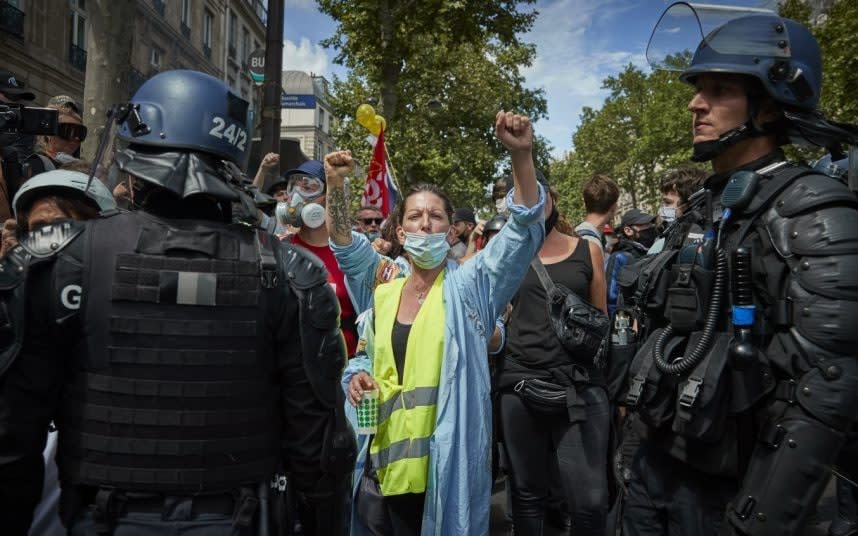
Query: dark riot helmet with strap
point(186, 132)
point(780, 54)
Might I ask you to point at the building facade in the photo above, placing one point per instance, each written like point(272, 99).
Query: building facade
point(306, 114)
point(44, 42)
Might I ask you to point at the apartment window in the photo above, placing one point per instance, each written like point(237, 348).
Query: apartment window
point(159, 6)
point(12, 17)
point(77, 47)
point(233, 34)
point(208, 22)
point(155, 57)
point(186, 18)
point(245, 44)
point(322, 119)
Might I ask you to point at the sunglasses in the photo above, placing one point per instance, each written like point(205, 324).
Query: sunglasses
point(368, 221)
point(71, 131)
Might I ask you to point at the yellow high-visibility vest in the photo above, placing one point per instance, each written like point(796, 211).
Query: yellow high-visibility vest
point(407, 406)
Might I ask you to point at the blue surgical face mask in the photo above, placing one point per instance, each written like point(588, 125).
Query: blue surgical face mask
point(668, 214)
point(427, 250)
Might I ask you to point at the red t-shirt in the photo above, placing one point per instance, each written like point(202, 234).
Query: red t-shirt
point(338, 281)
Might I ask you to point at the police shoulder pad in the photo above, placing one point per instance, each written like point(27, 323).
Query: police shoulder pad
point(812, 191)
point(302, 269)
point(13, 268)
point(50, 239)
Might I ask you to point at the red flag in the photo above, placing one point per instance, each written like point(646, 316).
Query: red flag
point(379, 191)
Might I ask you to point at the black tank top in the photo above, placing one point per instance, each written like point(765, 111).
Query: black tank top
point(531, 343)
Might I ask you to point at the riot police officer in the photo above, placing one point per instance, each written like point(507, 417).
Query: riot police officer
point(746, 388)
point(183, 355)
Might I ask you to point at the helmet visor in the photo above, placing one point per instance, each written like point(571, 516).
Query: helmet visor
point(684, 26)
point(308, 187)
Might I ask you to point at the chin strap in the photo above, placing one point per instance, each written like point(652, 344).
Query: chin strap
point(707, 150)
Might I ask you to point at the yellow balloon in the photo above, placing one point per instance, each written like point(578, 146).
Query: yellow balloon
point(365, 115)
point(378, 123)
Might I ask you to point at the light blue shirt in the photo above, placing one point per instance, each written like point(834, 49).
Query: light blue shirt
point(475, 293)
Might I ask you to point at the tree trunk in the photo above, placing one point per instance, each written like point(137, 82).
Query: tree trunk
point(390, 66)
point(108, 64)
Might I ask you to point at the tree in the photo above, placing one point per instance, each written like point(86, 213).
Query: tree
point(464, 55)
point(641, 131)
point(108, 62)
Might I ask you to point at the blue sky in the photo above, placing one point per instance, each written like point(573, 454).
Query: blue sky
point(579, 43)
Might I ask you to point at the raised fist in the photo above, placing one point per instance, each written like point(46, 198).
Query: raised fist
point(339, 165)
point(514, 131)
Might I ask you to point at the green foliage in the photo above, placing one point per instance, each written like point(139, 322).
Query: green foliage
point(836, 38)
point(642, 130)
point(465, 55)
point(797, 10)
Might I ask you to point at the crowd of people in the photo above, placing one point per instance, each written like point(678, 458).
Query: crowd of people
point(184, 350)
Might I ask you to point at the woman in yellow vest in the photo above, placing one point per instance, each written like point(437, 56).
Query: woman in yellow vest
point(424, 349)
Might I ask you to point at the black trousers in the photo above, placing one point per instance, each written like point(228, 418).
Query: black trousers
point(534, 441)
point(666, 497)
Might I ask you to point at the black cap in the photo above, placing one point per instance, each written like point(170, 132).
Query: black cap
point(464, 214)
point(12, 88)
point(636, 216)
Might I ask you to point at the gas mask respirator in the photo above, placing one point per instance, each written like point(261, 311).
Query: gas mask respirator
point(300, 210)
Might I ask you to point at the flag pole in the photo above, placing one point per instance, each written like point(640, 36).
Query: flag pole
point(392, 170)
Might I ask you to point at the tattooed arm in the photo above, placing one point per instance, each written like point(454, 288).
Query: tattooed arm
point(338, 166)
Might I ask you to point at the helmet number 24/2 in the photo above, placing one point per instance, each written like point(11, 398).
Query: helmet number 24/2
point(232, 133)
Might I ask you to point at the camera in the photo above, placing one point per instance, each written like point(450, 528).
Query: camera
point(18, 124)
point(28, 119)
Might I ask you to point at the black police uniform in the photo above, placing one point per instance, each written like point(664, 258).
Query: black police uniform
point(182, 365)
point(757, 429)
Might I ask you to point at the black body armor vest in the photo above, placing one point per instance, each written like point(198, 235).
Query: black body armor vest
point(173, 386)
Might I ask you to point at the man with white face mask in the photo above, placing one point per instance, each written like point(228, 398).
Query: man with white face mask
point(305, 210)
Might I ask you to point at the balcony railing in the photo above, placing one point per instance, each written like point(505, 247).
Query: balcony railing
point(11, 19)
point(261, 12)
point(186, 30)
point(159, 6)
point(77, 57)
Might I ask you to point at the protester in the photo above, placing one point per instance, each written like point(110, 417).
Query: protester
point(183, 358)
point(439, 315)
point(601, 195)
point(54, 151)
point(499, 191)
point(368, 222)
point(745, 414)
point(492, 228)
point(305, 186)
point(464, 223)
point(577, 441)
point(610, 238)
point(676, 188)
point(637, 235)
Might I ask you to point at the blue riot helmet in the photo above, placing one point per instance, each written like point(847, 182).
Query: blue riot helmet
point(186, 132)
point(780, 54)
point(190, 110)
